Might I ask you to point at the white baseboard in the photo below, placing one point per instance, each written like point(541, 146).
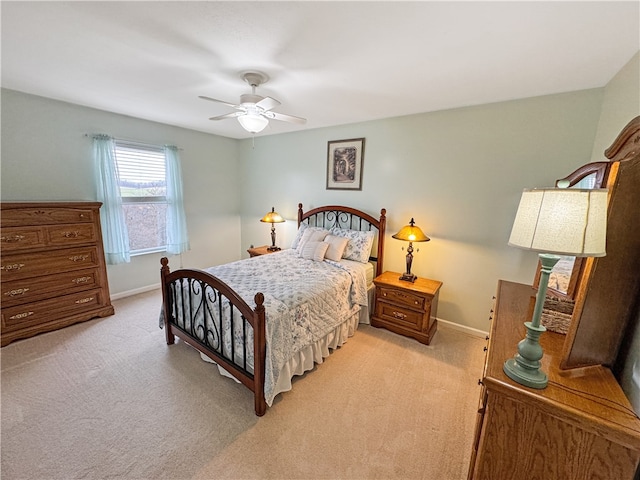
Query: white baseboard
point(129, 293)
point(474, 332)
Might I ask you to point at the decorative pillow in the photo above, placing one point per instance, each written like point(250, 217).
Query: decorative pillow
point(359, 246)
point(337, 245)
point(312, 234)
point(314, 251)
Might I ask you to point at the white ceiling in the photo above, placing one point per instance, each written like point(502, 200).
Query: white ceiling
point(331, 62)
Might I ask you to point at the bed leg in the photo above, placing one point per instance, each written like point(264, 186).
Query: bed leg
point(259, 355)
point(164, 271)
point(260, 404)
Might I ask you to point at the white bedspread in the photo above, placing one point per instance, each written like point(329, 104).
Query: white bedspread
point(305, 301)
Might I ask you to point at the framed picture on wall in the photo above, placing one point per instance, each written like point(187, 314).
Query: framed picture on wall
point(344, 164)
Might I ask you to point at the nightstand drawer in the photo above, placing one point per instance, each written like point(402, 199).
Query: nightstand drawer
point(399, 315)
point(403, 298)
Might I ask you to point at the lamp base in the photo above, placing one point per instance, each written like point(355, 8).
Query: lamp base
point(273, 248)
point(408, 277)
point(530, 378)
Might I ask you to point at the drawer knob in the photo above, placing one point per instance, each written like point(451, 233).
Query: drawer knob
point(84, 300)
point(13, 266)
point(15, 293)
point(399, 315)
point(12, 238)
point(484, 349)
point(18, 316)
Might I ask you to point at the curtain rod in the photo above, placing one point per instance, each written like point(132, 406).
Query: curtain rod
point(132, 141)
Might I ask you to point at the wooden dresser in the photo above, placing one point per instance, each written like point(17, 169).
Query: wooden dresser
point(53, 271)
point(580, 427)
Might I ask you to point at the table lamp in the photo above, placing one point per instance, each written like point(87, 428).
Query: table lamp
point(410, 233)
point(272, 217)
point(554, 221)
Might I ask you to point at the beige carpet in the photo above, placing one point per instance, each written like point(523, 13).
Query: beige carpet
point(109, 399)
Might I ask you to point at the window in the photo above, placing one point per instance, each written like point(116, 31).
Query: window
point(143, 189)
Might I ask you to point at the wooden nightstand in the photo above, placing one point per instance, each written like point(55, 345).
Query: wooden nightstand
point(257, 251)
point(406, 308)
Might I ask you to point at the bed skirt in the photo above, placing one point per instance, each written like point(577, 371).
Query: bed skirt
point(305, 359)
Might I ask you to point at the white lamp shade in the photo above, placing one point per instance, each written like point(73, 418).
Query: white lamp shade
point(564, 221)
point(253, 123)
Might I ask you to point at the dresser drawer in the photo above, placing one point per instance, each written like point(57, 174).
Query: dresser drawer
point(398, 315)
point(21, 316)
point(61, 235)
point(403, 298)
point(18, 238)
point(18, 292)
point(45, 216)
point(20, 266)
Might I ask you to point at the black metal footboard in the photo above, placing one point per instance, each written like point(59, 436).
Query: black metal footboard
point(205, 312)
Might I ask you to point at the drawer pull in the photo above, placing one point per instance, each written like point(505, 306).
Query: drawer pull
point(15, 293)
point(18, 316)
point(84, 300)
point(12, 238)
point(399, 315)
point(13, 266)
point(78, 258)
point(74, 234)
point(80, 280)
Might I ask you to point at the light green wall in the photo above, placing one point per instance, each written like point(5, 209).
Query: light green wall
point(621, 104)
point(46, 156)
point(459, 173)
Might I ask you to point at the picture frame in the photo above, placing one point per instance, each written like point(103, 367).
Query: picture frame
point(344, 164)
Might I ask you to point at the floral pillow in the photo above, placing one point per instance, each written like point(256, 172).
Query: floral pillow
point(359, 246)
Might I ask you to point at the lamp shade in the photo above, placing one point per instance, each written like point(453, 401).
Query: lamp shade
point(564, 221)
point(411, 233)
point(272, 217)
point(253, 123)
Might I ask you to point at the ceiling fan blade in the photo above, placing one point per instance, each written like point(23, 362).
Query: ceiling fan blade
point(285, 118)
point(267, 103)
point(228, 115)
point(219, 101)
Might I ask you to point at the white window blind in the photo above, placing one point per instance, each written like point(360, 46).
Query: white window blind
point(143, 188)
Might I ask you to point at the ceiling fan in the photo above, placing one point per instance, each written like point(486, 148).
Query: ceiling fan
point(254, 111)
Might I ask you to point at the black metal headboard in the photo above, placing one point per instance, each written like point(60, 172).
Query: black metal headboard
point(331, 216)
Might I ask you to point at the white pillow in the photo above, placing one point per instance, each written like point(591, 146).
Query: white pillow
point(301, 229)
point(314, 251)
point(312, 234)
point(336, 248)
point(359, 246)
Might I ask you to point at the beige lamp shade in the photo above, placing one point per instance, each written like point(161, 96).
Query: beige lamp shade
point(272, 217)
point(411, 233)
point(563, 221)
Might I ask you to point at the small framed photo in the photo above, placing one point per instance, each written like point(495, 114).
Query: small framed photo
point(344, 164)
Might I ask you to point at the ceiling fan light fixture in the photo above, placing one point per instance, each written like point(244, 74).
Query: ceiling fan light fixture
point(253, 123)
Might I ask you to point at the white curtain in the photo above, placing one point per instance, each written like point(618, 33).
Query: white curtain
point(114, 229)
point(177, 237)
